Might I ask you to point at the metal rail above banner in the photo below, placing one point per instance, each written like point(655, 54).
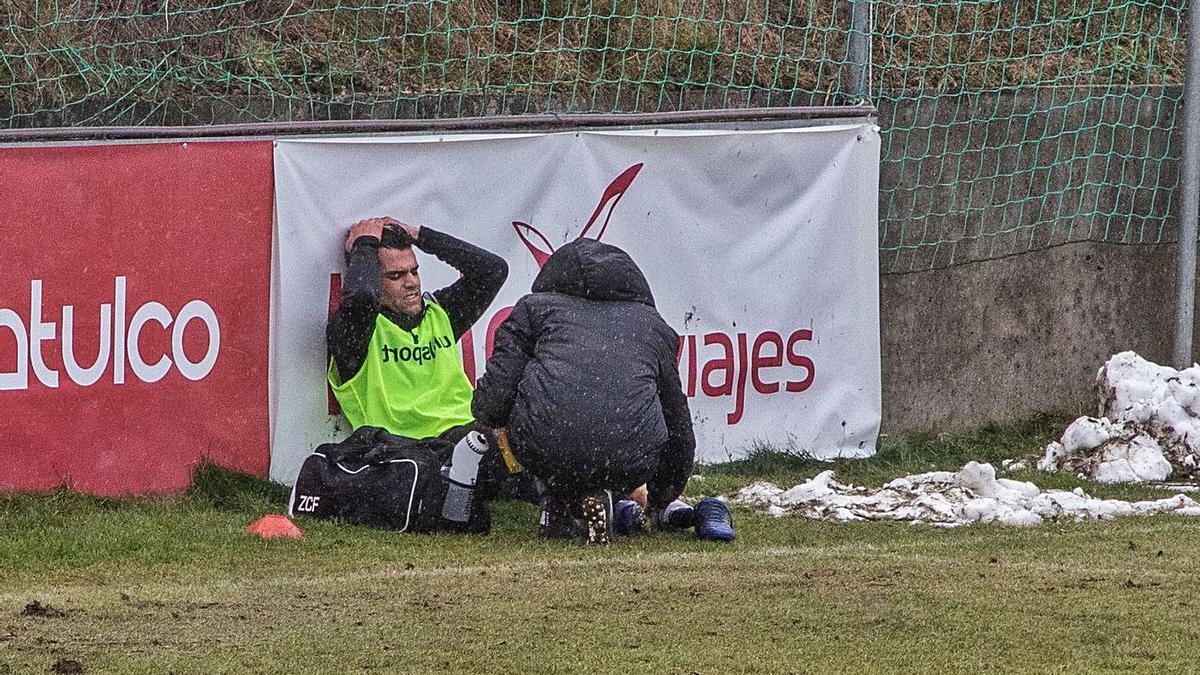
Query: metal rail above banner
point(492, 123)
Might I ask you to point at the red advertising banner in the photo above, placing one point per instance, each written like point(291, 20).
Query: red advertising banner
point(134, 314)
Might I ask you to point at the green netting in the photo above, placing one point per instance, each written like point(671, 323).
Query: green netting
point(1009, 125)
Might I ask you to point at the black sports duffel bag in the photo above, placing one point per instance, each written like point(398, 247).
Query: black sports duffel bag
point(381, 480)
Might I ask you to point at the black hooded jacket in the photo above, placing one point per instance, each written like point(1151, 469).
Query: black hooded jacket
point(584, 373)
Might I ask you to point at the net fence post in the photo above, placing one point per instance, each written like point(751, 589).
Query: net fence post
point(1189, 196)
point(858, 50)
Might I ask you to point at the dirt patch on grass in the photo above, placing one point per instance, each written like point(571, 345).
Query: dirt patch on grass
point(64, 666)
point(46, 611)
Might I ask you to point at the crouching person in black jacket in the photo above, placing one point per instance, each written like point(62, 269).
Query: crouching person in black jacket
point(584, 378)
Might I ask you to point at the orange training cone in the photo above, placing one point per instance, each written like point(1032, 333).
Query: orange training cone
point(275, 525)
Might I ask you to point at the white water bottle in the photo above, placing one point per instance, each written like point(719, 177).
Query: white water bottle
point(464, 469)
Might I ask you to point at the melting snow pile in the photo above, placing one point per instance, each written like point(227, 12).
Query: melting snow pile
point(947, 499)
point(1149, 425)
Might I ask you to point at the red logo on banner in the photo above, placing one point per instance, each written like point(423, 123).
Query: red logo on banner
point(134, 314)
point(612, 194)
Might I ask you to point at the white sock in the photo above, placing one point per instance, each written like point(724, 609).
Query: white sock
point(665, 516)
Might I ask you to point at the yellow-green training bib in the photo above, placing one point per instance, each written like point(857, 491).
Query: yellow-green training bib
point(412, 382)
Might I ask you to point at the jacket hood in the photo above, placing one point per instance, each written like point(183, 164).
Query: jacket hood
point(586, 268)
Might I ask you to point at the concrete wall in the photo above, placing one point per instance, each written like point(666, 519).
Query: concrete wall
point(1007, 339)
point(976, 177)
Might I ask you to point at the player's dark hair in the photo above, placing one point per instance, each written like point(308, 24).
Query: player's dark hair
point(395, 237)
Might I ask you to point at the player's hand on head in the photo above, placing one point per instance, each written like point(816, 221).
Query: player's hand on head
point(413, 231)
point(368, 227)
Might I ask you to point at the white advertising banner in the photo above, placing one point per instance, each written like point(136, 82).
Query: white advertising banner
point(761, 248)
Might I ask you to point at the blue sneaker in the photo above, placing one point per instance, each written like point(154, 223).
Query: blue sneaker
point(713, 520)
point(628, 518)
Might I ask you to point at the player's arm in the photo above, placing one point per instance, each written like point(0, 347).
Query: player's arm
point(348, 334)
point(497, 389)
point(675, 464)
point(483, 273)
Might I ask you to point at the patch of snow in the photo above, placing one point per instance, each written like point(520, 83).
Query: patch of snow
point(1180, 487)
point(760, 491)
point(945, 499)
point(1148, 429)
point(1014, 465)
point(1054, 454)
point(1086, 432)
point(1139, 460)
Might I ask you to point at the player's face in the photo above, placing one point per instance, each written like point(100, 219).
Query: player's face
point(401, 284)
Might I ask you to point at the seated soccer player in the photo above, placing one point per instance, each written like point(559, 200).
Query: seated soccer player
point(394, 362)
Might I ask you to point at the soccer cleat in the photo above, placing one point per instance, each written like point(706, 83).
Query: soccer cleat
point(628, 518)
point(713, 520)
point(678, 515)
point(555, 520)
point(597, 510)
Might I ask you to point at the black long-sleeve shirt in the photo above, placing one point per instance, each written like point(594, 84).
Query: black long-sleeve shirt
point(348, 334)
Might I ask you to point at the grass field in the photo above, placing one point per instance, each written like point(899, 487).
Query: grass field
point(173, 585)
